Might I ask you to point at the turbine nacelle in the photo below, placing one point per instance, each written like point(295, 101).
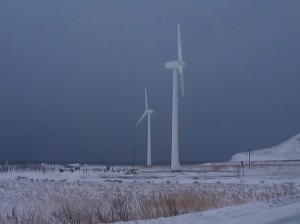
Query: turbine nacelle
point(175, 65)
point(149, 111)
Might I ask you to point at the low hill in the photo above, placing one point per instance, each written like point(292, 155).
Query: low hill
point(287, 150)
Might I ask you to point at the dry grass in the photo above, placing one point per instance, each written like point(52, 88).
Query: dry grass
point(29, 217)
point(125, 206)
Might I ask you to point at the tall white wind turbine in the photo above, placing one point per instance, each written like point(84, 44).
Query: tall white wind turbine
point(177, 67)
point(148, 112)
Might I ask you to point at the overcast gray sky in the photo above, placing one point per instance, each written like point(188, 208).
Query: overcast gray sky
point(73, 73)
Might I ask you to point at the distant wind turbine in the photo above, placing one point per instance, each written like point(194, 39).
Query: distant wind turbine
point(148, 112)
point(177, 67)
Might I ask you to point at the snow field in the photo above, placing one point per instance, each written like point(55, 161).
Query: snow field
point(54, 197)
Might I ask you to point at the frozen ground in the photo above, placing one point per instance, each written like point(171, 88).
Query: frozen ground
point(261, 185)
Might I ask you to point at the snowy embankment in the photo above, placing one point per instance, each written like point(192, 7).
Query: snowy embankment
point(287, 150)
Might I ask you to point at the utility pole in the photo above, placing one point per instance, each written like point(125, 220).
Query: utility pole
point(249, 158)
point(6, 166)
point(133, 158)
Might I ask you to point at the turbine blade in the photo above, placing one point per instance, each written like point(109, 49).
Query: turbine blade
point(146, 100)
point(141, 118)
point(179, 45)
point(180, 69)
point(182, 83)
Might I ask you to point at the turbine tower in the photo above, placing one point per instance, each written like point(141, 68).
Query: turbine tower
point(177, 67)
point(148, 112)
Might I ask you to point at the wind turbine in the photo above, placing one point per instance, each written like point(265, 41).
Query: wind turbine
point(148, 112)
point(177, 67)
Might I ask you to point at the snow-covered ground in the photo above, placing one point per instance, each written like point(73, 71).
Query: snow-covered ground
point(254, 191)
point(231, 192)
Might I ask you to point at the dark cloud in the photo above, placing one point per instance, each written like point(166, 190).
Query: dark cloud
point(73, 73)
